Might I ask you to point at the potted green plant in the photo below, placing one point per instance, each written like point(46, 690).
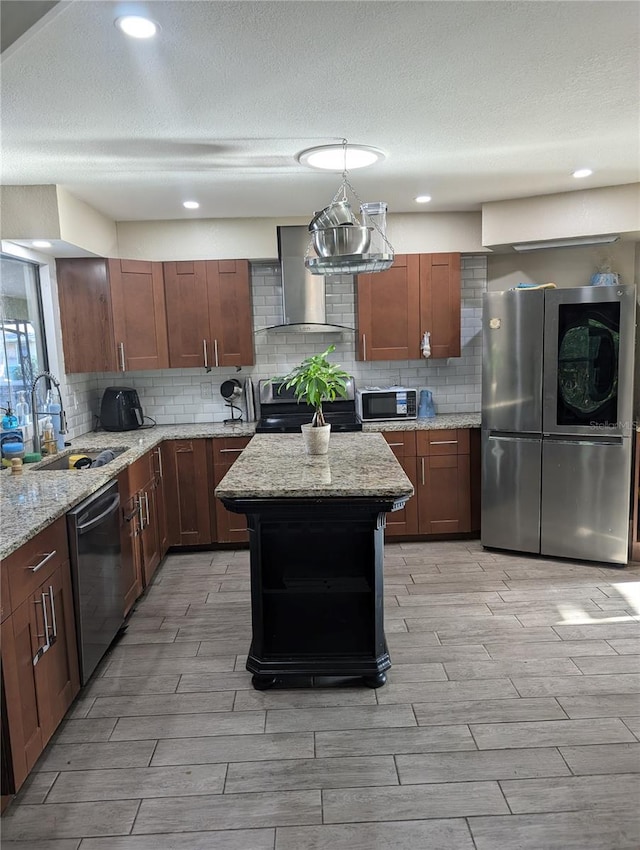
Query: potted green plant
point(315, 381)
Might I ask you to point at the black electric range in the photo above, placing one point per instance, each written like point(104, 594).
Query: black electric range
point(280, 413)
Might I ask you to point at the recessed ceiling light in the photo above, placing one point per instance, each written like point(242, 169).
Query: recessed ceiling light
point(136, 26)
point(340, 157)
point(41, 243)
point(423, 199)
point(582, 172)
point(191, 205)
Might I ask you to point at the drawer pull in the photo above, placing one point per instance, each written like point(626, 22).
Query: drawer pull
point(43, 562)
point(226, 451)
point(422, 463)
point(396, 444)
point(443, 442)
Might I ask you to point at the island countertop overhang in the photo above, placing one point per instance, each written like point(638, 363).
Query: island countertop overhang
point(275, 466)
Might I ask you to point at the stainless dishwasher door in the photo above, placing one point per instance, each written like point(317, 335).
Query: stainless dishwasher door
point(96, 574)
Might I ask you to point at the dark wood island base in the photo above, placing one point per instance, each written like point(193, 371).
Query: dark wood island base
point(316, 588)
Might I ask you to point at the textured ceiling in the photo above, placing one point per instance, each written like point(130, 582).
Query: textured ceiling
point(472, 101)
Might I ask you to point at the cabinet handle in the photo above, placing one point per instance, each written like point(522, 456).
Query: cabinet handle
point(146, 508)
point(364, 346)
point(140, 514)
point(123, 367)
point(54, 625)
point(40, 565)
point(226, 451)
point(422, 464)
point(42, 649)
point(206, 354)
point(443, 442)
point(159, 462)
point(396, 444)
point(215, 350)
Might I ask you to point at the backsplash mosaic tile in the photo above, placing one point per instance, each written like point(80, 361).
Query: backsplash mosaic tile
point(173, 396)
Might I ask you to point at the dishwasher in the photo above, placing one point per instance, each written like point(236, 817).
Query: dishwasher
point(93, 528)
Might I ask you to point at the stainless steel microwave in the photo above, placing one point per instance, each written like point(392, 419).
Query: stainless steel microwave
point(380, 403)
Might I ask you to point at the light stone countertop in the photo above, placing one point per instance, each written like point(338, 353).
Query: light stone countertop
point(32, 501)
point(441, 421)
point(276, 466)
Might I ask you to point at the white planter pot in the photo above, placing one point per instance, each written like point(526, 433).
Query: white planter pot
point(316, 440)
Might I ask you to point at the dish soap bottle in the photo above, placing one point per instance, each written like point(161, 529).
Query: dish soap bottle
point(22, 409)
point(9, 421)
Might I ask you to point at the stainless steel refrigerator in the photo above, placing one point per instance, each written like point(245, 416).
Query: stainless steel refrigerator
point(557, 406)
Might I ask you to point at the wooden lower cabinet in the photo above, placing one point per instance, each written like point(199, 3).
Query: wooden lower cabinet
point(229, 527)
point(129, 543)
point(444, 485)
point(444, 472)
point(39, 653)
point(405, 521)
point(187, 489)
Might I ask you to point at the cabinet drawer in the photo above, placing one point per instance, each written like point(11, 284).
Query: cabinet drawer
point(227, 449)
point(452, 441)
point(402, 443)
point(32, 563)
point(141, 472)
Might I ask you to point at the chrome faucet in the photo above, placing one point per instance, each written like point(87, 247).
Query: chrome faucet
point(35, 412)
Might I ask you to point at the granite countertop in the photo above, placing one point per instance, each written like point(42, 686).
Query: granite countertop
point(32, 501)
point(441, 421)
point(276, 466)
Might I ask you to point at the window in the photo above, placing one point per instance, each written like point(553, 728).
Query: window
point(22, 347)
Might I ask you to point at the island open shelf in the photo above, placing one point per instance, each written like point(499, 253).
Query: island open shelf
point(316, 530)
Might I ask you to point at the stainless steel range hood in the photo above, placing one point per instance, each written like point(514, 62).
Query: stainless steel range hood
point(303, 293)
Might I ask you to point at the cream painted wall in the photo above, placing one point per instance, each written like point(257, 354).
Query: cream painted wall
point(562, 266)
point(29, 212)
point(84, 226)
point(255, 238)
point(614, 209)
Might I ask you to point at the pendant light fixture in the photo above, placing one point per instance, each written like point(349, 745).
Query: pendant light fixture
point(342, 242)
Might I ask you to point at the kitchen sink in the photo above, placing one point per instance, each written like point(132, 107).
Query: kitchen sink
point(61, 461)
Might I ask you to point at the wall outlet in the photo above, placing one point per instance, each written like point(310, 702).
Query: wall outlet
point(206, 389)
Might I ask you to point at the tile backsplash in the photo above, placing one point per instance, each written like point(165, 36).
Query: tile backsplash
point(173, 396)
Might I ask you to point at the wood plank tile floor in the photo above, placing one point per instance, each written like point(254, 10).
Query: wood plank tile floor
point(510, 720)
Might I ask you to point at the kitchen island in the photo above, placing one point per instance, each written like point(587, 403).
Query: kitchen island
point(316, 527)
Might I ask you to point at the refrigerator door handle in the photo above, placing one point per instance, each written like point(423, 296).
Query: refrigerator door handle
point(565, 440)
point(512, 435)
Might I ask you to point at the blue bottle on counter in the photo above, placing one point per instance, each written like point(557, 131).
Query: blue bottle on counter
point(426, 409)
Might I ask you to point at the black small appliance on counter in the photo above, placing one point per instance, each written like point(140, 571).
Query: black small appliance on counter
point(120, 409)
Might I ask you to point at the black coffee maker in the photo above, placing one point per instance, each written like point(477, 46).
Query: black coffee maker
point(120, 409)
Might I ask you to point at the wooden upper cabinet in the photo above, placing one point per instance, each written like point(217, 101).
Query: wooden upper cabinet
point(420, 292)
point(389, 311)
point(209, 310)
point(185, 286)
point(230, 312)
point(112, 314)
point(440, 302)
point(139, 315)
point(85, 315)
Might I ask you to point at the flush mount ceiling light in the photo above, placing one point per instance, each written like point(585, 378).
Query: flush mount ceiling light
point(582, 172)
point(422, 199)
point(606, 239)
point(41, 243)
point(191, 205)
point(136, 26)
point(339, 157)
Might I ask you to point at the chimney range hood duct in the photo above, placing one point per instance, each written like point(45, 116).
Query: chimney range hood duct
point(303, 293)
